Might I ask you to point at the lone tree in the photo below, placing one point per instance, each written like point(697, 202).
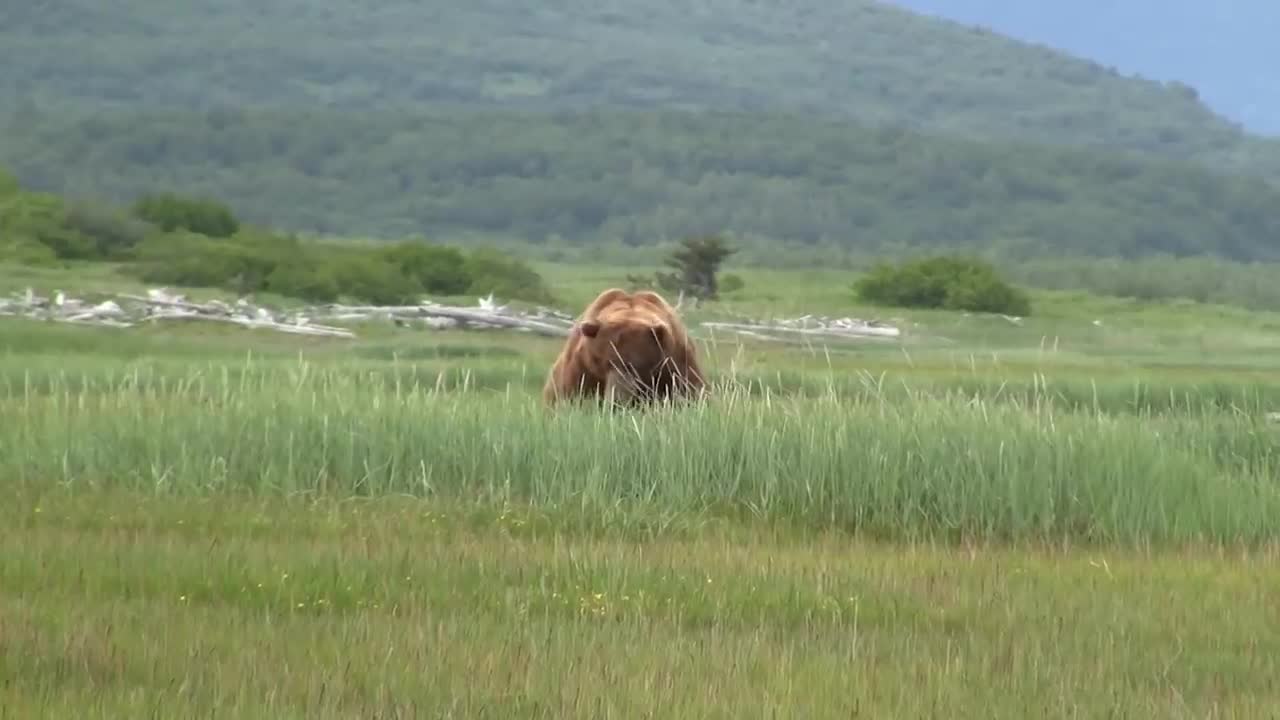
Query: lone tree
point(696, 262)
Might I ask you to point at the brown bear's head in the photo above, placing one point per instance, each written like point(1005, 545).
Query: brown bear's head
point(630, 336)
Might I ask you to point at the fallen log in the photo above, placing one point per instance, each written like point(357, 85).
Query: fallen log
point(462, 315)
point(158, 305)
point(868, 332)
point(297, 329)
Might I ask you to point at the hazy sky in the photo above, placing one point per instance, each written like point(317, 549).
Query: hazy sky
point(1228, 50)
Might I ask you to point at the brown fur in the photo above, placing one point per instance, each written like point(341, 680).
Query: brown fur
point(626, 347)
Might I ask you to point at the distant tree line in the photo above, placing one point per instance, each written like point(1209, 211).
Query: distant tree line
point(864, 61)
point(635, 179)
point(44, 229)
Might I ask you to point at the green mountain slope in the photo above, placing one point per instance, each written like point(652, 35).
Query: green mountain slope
point(1226, 50)
point(636, 178)
point(849, 58)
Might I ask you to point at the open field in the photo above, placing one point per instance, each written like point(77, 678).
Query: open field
point(121, 606)
point(1071, 514)
point(1056, 518)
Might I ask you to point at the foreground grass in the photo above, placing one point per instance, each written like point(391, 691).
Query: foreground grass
point(127, 605)
point(908, 465)
point(204, 522)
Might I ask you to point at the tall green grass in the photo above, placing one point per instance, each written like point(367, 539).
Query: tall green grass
point(469, 369)
point(914, 464)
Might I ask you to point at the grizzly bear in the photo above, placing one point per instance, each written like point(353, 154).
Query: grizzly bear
point(626, 349)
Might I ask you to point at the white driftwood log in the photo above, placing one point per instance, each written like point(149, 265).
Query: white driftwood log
point(457, 314)
point(158, 305)
point(835, 331)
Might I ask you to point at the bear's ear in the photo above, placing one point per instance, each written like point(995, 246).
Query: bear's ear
point(590, 328)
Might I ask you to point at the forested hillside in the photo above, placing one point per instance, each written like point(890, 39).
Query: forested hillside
point(812, 123)
point(857, 59)
point(636, 178)
point(1226, 50)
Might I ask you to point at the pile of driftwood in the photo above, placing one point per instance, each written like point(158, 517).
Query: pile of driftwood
point(542, 321)
point(127, 310)
point(158, 305)
point(803, 328)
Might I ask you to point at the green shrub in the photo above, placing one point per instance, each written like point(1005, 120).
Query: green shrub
point(248, 261)
point(254, 261)
point(66, 231)
point(172, 212)
point(112, 233)
point(313, 281)
point(66, 243)
point(26, 251)
point(493, 272)
point(241, 264)
point(179, 258)
point(245, 263)
point(192, 242)
point(944, 282)
point(41, 218)
point(436, 269)
point(372, 279)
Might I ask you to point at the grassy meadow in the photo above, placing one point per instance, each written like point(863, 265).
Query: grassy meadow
point(1060, 517)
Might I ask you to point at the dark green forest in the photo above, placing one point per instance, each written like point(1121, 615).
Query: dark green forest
point(852, 59)
point(811, 131)
point(631, 179)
